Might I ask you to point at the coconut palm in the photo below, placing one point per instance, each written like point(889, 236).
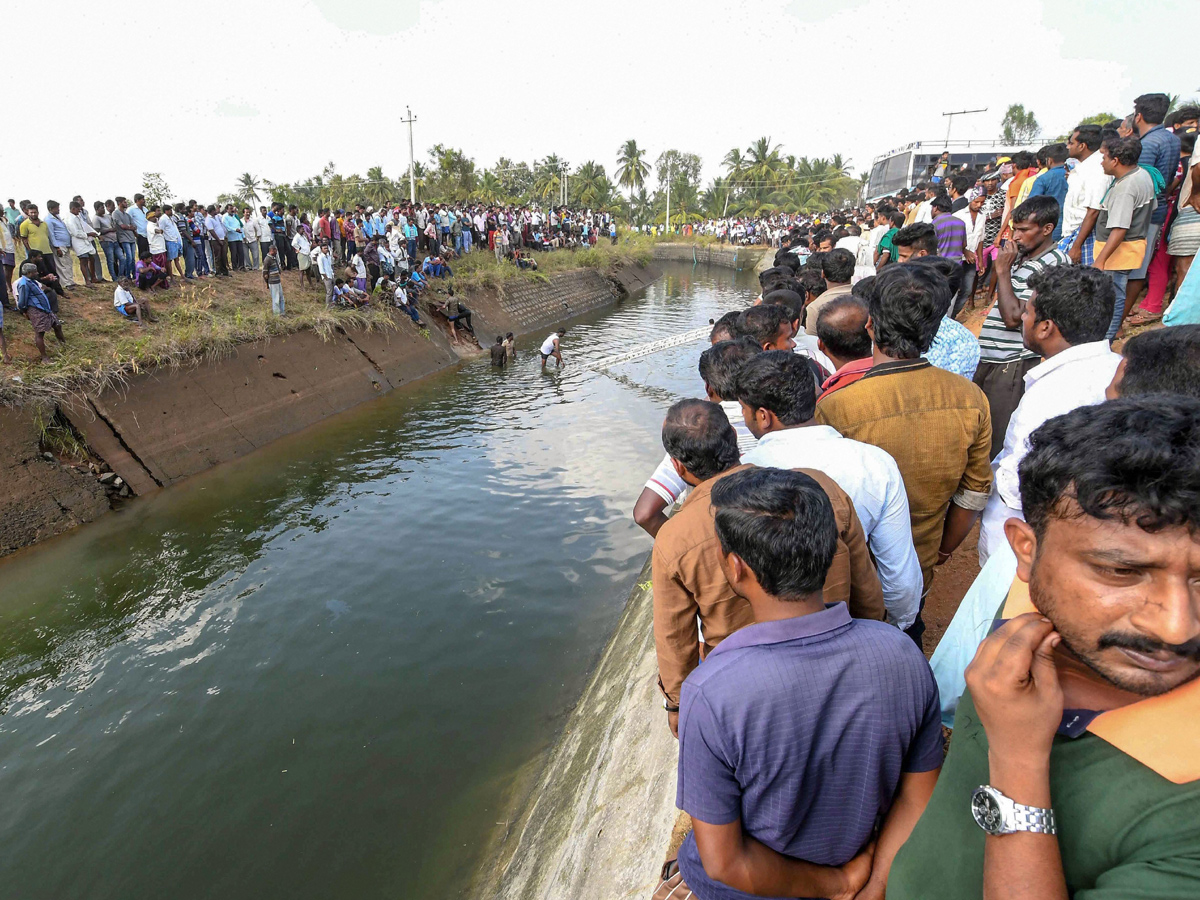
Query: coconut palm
point(490, 189)
point(378, 189)
point(247, 189)
point(548, 180)
point(632, 169)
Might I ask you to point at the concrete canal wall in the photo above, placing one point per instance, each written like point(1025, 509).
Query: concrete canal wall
point(165, 425)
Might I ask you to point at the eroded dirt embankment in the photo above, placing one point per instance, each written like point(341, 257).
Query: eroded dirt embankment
point(163, 426)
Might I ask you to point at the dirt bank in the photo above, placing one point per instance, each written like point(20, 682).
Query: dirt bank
point(165, 425)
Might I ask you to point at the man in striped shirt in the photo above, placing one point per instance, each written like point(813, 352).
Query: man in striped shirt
point(950, 230)
point(1003, 359)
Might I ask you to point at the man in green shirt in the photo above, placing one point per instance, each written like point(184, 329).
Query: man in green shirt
point(1074, 769)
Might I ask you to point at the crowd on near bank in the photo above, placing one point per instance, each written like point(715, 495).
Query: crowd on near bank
point(353, 254)
point(851, 435)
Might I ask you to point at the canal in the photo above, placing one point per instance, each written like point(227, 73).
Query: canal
point(317, 671)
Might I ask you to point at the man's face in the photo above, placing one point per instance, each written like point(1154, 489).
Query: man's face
point(783, 338)
point(976, 204)
point(750, 417)
point(990, 185)
point(1029, 324)
point(108, 205)
point(1126, 602)
point(826, 245)
point(1107, 163)
point(904, 254)
point(1029, 235)
point(1075, 149)
point(32, 212)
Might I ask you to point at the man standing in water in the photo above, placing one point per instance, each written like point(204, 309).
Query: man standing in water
point(550, 347)
point(499, 353)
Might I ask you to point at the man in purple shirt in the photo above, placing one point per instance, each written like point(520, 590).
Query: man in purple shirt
point(796, 732)
point(951, 231)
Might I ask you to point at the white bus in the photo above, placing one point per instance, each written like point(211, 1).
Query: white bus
point(913, 163)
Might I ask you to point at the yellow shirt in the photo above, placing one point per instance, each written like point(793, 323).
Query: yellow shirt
point(37, 235)
point(1026, 187)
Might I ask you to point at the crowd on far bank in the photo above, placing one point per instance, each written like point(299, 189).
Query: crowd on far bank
point(355, 255)
point(850, 437)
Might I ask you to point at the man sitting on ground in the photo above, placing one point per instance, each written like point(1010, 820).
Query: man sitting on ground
point(150, 274)
point(841, 708)
point(125, 303)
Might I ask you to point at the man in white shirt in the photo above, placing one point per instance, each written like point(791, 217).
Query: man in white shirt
point(126, 304)
point(777, 393)
point(82, 234)
point(925, 207)
point(1064, 322)
point(324, 262)
point(972, 217)
point(1086, 187)
point(719, 365)
point(251, 235)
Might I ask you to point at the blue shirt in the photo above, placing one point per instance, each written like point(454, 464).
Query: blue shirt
point(233, 226)
point(59, 236)
point(1052, 183)
point(802, 728)
point(278, 226)
point(1160, 148)
point(139, 219)
point(30, 293)
point(954, 348)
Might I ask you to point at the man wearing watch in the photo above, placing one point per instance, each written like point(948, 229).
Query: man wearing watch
point(1074, 768)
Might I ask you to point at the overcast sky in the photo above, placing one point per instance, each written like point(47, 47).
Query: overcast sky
point(204, 92)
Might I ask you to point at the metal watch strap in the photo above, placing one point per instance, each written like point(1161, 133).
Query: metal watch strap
point(1033, 819)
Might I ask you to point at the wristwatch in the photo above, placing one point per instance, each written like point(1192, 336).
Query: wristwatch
point(997, 814)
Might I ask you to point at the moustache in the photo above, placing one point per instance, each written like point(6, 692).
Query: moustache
point(1142, 644)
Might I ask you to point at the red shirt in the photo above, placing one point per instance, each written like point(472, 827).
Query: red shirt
point(323, 226)
point(847, 374)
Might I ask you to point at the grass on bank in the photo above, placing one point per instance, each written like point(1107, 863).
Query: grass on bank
point(209, 317)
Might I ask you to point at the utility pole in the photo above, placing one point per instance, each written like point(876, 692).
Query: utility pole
point(412, 179)
point(950, 119)
point(668, 196)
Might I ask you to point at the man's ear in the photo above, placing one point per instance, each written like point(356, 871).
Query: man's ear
point(679, 468)
point(871, 328)
point(1023, 540)
point(735, 569)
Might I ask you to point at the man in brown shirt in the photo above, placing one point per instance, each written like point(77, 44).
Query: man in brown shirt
point(935, 424)
point(688, 581)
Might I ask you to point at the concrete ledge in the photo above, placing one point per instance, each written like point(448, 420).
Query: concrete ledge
point(712, 254)
point(597, 819)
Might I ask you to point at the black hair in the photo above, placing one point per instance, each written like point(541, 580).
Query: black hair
point(919, 236)
point(813, 263)
point(1133, 460)
point(941, 203)
point(1191, 111)
point(1079, 300)
point(1088, 135)
point(780, 523)
point(862, 289)
point(763, 322)
point(898, 220)
point(720, 364)
point(1022, 159)
point(698, 435)
point(1041, 210)
point(1152, 107)
point(788, 259)
point(728, 323)
point(823, 235)
point(1056, 152)
point(907, 305)
point(789, 298)
point(772, 275)
point(1187, 143)
point(838, 266)
point(947, 268)
point(1162, 361)
point(813, 283)
point(1125, 150)
point(961, 183)
point(779, 381)
point(840, 341)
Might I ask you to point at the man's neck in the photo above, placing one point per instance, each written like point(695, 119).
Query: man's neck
point(1145, 127)
point(767, 608)
point(879, 357)
point(1040, 249)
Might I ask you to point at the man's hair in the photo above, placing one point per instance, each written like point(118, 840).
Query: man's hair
point(137, 197)
point(821, 236)
point(1056, 152)
point(780, 523)
point(762, 322)
point(788, 259)
point(919, 236)
point(1041, 210)
point(698, 435)
point(1163, 361)
point(786, 297)
point(950, 270)
point(1088, 135)
point(941, 203)
point(1078, 300)
point(781, 382)
point(841, 341)
point(1184, 113)
point(727, 324)
point(1125, 150)
point(1023, 159)
point(775, 275)
point(812, 282)
point(720, 364)
point(1152, 107)
point(897, 221)
point(838, 266)
point(961, 183)
point(1134, 460)
point(907, 305)
point(862, 289)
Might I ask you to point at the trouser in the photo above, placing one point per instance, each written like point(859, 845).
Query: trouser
point(1003, 383)
point(252, 254)
point(328, 290)
point(281, 248)
point(127, 251)
point(1157, 276)
point(411, 308)
point(143, 245)
point(264, 247)
point(276, 298)
point(46, 267)
point(463, 318)
point(292, 258)
point(235, 255)
point(966, 289)
point(189, 259)
point(200, 249)
point(218, 252)
point(373, 274)
point(412, 248)
point(458, 243)
point(1120, 282)
point(65, 268)
point(112, 255)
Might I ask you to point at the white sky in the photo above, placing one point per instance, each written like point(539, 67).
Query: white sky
point(205, 91)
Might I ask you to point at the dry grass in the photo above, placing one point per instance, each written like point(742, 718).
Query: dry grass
point(194, 320)
point(482, 270)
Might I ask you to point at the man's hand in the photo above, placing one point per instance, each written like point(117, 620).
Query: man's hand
point(58, 251)
point(969, 256)
point(673, 722)
point(1016, 690)
point(1007, 255)
point(856, 874)
point(1075, 254)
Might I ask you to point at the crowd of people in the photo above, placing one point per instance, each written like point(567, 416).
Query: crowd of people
point(851, 436)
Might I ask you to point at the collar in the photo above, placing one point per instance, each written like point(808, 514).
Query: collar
point(851, 368)
point(800, 434)
point(1162, 733)
point(1153, 128)
point(896, 365)
point(1073, 354)
point(834, 617)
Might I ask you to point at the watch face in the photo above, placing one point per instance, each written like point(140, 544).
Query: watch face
point(987, 812)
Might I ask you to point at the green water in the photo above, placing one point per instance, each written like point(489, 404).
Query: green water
point(314, 672)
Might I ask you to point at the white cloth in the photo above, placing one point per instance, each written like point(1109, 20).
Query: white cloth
point(1075, 377)
point(1086, 187)
point(81, 234)
point(250, 230)
point(155, 237)
point(974, 228)
point(806, 345)
point(122, 298)
point(549, 345)
point(872, 479)
point(924, 212)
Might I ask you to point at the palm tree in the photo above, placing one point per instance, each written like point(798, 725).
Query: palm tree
point(247, 189)
point(379, 188)
point(762, 160)
point(632, 169)
point(490, 189)
point(548, 180)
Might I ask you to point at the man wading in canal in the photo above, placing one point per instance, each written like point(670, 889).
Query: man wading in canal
point(550, 347)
